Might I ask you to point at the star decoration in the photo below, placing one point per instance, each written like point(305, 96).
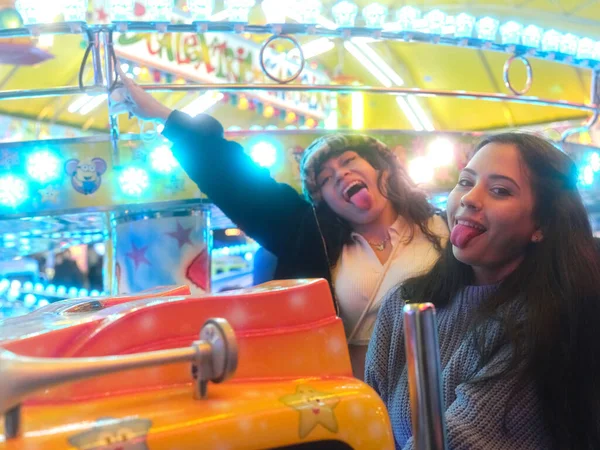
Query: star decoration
point(175, 184)
point(49, 194)
point(8, 158)
point(119, 433)
point(138, 255)
point(315, 408)
point(139, 10)
point(139, 154)
point(198, 272)
point(182, 235)
point(101, 15)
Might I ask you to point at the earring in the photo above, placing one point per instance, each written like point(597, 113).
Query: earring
point(536, 238)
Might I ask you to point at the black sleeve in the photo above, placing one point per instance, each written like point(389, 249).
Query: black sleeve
point(267, 211)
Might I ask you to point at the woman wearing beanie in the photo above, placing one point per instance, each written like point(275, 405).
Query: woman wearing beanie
point(363, 225)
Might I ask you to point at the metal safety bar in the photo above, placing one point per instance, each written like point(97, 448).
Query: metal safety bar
point(595, 99)
point(101, 38)
point(227, 87)
point(213, 358)
point(293, 29)
point(424, 377)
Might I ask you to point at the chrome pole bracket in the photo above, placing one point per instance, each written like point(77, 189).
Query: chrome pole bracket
point(214, 358)
point(221, 361)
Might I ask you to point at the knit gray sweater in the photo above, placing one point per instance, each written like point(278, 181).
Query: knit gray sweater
point(474, 411)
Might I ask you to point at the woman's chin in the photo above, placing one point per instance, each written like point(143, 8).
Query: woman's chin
point(466, 255)
point(362, 217)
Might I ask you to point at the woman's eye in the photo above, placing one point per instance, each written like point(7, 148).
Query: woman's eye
point(501, 191)
point(464, 182)
point(323, 181)
point(348, 160)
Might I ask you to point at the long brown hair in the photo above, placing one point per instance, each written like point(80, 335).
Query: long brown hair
point(549, 307)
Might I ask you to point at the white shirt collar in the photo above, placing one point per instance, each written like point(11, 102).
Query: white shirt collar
point(394, 229)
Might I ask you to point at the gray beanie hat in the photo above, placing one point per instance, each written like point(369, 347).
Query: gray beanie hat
point(329, 146)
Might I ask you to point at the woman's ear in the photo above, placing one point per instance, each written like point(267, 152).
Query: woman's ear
point(537, 236)
point(385, 178)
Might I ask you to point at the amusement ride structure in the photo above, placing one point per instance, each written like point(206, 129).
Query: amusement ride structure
point(428, 80)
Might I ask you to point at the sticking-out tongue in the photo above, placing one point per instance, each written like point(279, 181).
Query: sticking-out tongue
point(462, 234)
point(362, 199)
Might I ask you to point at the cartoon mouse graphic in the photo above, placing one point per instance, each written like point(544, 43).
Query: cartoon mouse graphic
point(86, 175)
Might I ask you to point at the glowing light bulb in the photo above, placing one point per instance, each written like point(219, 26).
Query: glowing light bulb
point(264, 154)
point(344, 13)
point(13, 191)
point(36, 12)
point(407, 17)
point(162, 159)
point(375, 15)
point(435, 21)
point(511, 32)
point(421, 170)
point(121, 10)
point(568, 44)
point(75, 10)
point(275, 10)
point(309, 11)
point(239, 10)
point(464, 25)
point(585, 49)
point(532, 36)
point(441, 152)
point(551, 41)
point(43, 166)
point(159, 10)
point(133, 181)
point(201, 9)
point(487, 28)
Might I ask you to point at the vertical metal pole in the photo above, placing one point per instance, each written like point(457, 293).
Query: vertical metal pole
point(424, 377)
point(109, 70)
point(595, 88)
point(113, 125)
point(206, 211)
point(12, 422)
point(595, 100)
point(96, 58)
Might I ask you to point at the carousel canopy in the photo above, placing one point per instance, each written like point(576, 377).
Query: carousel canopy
point(54, 60)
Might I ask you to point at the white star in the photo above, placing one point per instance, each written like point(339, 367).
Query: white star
point(49, 194)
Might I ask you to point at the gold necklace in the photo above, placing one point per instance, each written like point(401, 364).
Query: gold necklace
point(379, 246)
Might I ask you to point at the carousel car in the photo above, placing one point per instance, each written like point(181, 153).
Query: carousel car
point(133, 372)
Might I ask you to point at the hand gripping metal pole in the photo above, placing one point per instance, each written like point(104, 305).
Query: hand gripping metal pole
point(424, 377)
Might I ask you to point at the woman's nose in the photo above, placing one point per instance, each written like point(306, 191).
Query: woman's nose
point(472, 199)
point(340, 174)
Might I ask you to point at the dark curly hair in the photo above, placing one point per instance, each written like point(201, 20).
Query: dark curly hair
point(409, 201)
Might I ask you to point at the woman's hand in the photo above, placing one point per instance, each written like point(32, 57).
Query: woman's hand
point(132, 98)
